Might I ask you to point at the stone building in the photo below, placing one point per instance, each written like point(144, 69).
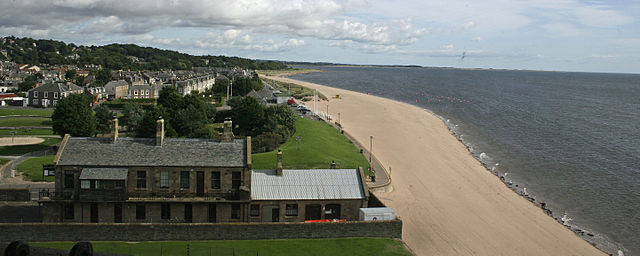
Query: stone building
point(153, 180)
point(47, 95)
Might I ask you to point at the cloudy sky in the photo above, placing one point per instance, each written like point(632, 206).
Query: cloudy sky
point(568, 35)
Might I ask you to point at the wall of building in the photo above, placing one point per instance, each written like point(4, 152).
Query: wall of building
point(35, 232)
point(349, 209)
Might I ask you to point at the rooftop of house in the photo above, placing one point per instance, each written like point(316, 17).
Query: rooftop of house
point(128, 152)
point(57, 87)
point(310, 184)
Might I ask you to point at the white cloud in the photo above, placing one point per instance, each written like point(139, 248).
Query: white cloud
point(562, 29)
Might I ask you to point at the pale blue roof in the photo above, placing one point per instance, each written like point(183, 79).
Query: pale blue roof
point(306, 184)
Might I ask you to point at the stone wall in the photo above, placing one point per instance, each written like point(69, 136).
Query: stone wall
point(15, 194)
point(37, 232)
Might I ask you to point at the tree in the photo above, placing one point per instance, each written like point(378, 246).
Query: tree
point(103, 119)
point(249, 115)
point(148, 124)
point(73, 115)
point(70, 74)
point(132, 115)
point(280, 120)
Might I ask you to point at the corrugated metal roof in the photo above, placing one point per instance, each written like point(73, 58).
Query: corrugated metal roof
point(306, 184)
point(103, 174)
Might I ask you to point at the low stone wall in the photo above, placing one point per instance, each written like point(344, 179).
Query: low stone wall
point(39, 232)
point(15, 194)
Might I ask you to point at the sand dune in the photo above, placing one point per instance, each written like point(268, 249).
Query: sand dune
point(449, 203)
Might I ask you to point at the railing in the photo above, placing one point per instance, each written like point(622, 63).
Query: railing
point(233, 195)
point(121, 195)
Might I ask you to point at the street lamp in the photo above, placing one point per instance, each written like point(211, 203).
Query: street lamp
point(370, 148)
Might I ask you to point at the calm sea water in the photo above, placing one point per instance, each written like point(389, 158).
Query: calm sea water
point(571, 139)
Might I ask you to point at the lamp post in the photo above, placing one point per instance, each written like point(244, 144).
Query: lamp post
point(339, 118)
point(370, 148)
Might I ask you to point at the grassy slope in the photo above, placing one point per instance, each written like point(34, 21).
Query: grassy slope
point(345, 246)
point(319, 145)
point(23, 149)
point(16, 122)
point(25, 112)
point(31, 169)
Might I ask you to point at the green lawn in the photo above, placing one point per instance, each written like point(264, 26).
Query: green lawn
point(24, 121)
point(32, 168)
point(25, 112)
point(23, 149)
point(4, 161)
point(7, 132)
point(319, 145)
point(344, 246)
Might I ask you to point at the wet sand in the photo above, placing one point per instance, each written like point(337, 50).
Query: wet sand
point(449, 203)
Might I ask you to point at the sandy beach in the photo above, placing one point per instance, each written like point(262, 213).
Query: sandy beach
point(449, 203)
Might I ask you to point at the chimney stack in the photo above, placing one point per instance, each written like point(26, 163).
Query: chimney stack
point(227, 134)
point(279, 164)
point(115, 129)
point(160, 132)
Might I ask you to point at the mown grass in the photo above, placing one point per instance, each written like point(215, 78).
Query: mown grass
point(25, 121)
point(23, 149)
point(295, 90)
point(35, 131)
point(25, 112)
point(4, 161)
point(31, 169)
point(319, 145)
point(342, 246)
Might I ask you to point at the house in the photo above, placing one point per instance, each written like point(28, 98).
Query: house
point(168, 180)
point(47, 95)
point(144, 91)
point(117, 89)
point(265, 95)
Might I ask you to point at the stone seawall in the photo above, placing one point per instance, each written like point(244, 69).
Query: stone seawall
point(40, 232)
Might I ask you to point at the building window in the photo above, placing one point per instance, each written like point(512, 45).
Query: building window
point(255, 210)
point(140, 212)
point(215, 180)
point(135, 92)
point(236, 180)
point(68, 179)
point(164, 179)
point(118, 183)
point(55, 95)
point(146, 92)
point(188, 213)
point(85, 184)
point(141, 179)
point(35, 94)
point(291, 210)
point(184, 179)
point(212, 213)
point(68, 211)
point(46, 94)
point(55, 102)
point(35, 101)
point(165, 211)
point(235, 211)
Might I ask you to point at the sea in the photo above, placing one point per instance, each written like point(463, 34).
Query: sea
point(568, 139)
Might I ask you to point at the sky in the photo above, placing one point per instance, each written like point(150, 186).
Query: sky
point(559, 35)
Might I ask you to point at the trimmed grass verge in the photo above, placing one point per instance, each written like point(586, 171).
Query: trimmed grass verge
point(25, 112)
point(23, 149)
point(7, 132)
point(344, 246)
point(31, 169)
point(319, 145)
point(24, 121)
point(297, 91)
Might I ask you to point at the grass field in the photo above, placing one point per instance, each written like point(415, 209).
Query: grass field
point(7, 132)
point(297, 91)
point(319, 145)
point(25, 121)
point(4, 161)
point(31, 169)
point(23, 149)
point(344, 246)
point(25, 112)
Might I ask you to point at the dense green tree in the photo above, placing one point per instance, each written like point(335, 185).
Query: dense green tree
point(148, 124)
point(248, 114)
point(70, 74)
point(281, 120)
point(73, 115)
point(132, 115)
point(103, 119)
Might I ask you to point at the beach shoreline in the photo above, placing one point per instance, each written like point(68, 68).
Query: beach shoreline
point(450, 202)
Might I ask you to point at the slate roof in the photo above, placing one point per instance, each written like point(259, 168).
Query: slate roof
point(87, 151)
point(110, 87)
point(57, 87)
point(104, 174)
point(306, 184)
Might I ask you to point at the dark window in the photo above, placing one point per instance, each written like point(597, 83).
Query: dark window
point(215, 180)
point(255, 210)
point(118, 183)
point(141, 179)
point(68, 179)
point(68, 211)
point(235, 211)
point(212, 213)
point(165, 211)
point(236, 180)
point(164, 179)
point(291, 210)
point(188, 213)
point(140, 212)
point(117, 213)
point(184, 179)
point(93, 213)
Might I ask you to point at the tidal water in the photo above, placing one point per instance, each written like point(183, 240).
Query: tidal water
point(571, 139)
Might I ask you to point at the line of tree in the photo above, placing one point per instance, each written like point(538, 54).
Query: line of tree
point(119, 56)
